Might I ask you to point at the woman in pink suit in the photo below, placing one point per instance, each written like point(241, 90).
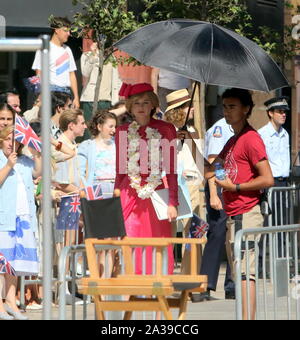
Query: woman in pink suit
point(144, 148)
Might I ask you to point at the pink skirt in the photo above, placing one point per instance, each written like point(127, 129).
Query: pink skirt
point(141, 221)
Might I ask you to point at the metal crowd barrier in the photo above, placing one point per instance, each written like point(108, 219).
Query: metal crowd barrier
point(63, 279)
point(278, 298)
point(284, 203)
point(38, 279)
point(72, 252)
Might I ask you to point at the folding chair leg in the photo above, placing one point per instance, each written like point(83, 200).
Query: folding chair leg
point(127, 315)
point(183, 305)
point(165, 307)
point(99, 313)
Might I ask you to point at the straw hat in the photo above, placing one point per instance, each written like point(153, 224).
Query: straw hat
point(177, 98)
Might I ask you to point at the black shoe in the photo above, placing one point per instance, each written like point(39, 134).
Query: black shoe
point(201, 297)
point(77, 294)
point(229, 295)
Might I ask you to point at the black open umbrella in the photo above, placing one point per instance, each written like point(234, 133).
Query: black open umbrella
point(204, 52)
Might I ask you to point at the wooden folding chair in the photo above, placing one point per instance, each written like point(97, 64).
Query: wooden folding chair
point(142, 292)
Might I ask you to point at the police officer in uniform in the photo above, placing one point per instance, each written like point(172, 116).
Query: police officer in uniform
point(277, 143)
point(276, 140)
point(215, 139)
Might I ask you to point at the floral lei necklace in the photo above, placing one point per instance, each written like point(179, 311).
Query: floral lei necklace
point(154, 178)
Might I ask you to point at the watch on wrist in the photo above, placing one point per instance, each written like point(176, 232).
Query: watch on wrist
point(238, 187)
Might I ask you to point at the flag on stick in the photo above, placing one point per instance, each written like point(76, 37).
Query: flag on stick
point(69, 213)
point(25, 135)
point(93, 192)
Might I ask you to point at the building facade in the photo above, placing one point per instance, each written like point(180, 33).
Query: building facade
point(29, 19)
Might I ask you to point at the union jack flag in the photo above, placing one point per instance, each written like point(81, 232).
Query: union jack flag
point(93, 192)
point(69, 213)
point(5, 267)
point(75, 204)
point(198, 227)
point(25, 135)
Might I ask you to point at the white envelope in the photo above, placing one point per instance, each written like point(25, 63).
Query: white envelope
point(160, 201)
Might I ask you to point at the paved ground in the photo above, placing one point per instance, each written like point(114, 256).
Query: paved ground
point(218, 309)
point(269, 306)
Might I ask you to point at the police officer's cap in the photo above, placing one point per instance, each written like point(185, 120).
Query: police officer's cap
point(278, 103)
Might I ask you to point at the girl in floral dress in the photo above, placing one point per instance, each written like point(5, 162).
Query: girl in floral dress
point(97, 161)
point(97, 156)
point(140, 146)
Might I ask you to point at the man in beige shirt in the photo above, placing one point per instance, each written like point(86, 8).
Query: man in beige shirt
point(109, 88)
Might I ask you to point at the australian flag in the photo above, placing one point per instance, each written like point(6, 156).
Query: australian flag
point(69, 213)
point(25, 135)
point(93, 192)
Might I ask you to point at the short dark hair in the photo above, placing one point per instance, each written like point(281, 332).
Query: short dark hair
point(243, 95)
point(59, 22)
point(5, 106)
point(6, 93)
point(58, 99)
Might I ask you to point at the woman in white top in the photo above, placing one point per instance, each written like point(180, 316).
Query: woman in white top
point(17, 215)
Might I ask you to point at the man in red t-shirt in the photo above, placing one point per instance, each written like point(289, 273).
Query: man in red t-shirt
point(248, 171)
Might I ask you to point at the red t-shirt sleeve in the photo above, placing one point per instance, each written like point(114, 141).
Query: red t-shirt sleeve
point(256, 150)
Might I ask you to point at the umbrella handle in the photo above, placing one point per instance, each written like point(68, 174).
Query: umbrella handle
point(190, 106)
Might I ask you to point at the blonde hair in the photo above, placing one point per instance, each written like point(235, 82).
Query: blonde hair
point(152, 97)
point(5, 133)
point(176, 116)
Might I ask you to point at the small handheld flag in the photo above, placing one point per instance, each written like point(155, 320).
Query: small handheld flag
point(24, 134)
point(69, 213)
point(93, 192)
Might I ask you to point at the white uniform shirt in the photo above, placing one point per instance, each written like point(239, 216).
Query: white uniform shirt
point(216, 137)
point(278, 149)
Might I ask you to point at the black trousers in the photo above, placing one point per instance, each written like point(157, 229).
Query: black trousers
point(214, 248)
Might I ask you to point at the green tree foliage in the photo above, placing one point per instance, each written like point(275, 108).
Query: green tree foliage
point(109, 21)
point(282, 48)
point(228, 13)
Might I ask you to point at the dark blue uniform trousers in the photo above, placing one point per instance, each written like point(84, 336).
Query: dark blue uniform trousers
point(214, 248)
